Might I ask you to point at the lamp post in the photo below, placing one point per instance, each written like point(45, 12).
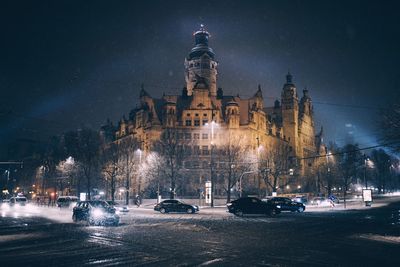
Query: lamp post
point(365, 171)
point(213, 123)
point(258, 166)
point(212, 164)
point(140, 164)
point(328, 153)
point(240, 181)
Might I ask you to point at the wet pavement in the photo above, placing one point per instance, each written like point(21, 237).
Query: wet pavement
point(41, 236)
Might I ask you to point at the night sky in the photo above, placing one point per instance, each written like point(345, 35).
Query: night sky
point(65, 64)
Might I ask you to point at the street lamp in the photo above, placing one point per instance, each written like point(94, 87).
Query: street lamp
point(258, 165)
point(366, 159)
point(140, 164)
point(240, 182)
point(213, 124)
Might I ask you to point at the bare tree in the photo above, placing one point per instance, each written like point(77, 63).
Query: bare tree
point(275, 165)
point(390, 127)
point(66, 174)
point(382, 162)
point(84, 146)
point(172, 150)
point(234, 160)
point(111, 165)
point(50, 158)
point(153, 168)
point(129, 162)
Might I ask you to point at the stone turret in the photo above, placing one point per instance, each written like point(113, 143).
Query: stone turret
point(169, 114)
point(306, 107)
point(232, 115)
point(200, 66)
point(290, 112)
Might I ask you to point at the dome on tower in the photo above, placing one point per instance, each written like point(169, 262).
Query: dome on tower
point(201, 44)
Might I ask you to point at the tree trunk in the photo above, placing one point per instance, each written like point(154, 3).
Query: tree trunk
point(113, 188)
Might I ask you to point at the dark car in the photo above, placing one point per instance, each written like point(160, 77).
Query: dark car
point(252, 205)
point(19, 200)
point(66, 201)
point(117, 206)
point(300, 199)
point(173, 205)
point(286, 204)
point(96, 212)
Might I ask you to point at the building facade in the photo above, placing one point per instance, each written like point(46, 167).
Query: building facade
point(204, 119)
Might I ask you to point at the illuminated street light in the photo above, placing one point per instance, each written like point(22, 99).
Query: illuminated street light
point(212, 124)
point(139, 151)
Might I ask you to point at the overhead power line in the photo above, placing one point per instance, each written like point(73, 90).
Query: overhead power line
point(350, 151)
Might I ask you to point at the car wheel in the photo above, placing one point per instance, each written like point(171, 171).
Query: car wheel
point(239, 213)
point(273, 212)
point(301, 209)
point(162, 210)
point(89, 221)
point(190, 210)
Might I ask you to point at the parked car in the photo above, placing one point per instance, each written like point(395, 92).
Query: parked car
point(300, 199)
point(252, 205)
point(19, 200)
point(173, 205)
point(66, 201)
point(286, 204)
point(320, 201)
point(95, 212)
point(117, 206)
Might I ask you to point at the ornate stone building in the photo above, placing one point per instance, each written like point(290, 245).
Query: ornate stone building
point(203, 116)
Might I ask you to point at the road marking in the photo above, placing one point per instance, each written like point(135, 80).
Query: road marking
point(211, 262)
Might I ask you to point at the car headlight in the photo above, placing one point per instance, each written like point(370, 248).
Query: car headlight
point(278, 206)
point(97, 213)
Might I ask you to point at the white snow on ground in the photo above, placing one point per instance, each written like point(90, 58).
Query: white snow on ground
point(31, 210)
point(381, 238)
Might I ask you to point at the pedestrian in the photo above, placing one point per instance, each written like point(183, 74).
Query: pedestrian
point(332, 203)
point(138, 201)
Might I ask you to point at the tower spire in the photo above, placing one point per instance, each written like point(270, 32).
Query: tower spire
point(289, 78)
point(200, 65)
